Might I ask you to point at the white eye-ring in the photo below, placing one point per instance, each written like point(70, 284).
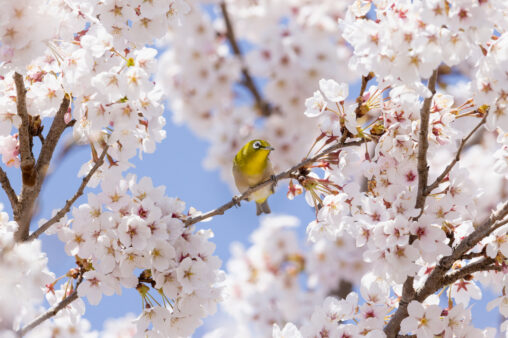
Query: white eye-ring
point(256, 145)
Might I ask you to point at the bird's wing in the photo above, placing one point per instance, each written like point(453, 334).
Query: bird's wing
point(268, 172)
point(240, 180)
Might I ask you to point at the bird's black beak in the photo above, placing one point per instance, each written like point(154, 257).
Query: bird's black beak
point(269, 148)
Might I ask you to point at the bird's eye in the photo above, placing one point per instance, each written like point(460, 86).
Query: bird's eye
point(257, 145)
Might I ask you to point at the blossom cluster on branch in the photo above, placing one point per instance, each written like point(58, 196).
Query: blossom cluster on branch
point(406, 180)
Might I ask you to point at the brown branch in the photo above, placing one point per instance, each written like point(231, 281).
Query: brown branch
point(30, 193)
point(436, 278)
point(484, 264)
point(342, 290)
point(497, 225)
point(53, 311)
point(25, 149)
point(11, 194)
point(283, 175)
point(476, 236)
point(408, 292)
point(359, 99)
point(445, 172)
point(61, 213)
point(263, 106)
point(50, 313)
point(423, 143)
point(472, 255)
point(51, 140)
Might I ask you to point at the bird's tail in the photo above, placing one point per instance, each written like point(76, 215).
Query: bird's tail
point(262, 208)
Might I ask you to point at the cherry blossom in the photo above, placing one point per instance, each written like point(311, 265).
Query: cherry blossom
point(406, 186)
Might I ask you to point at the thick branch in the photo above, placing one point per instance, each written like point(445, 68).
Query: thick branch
point(56, 130)
point(283, 175)
point(450, 166)
point(11, 194)
point(423, 143)
point(408, 292)
point(436, 279)
point(342, 290)
point(25, 150)
point(70, 202)
point(263, 106)
point(30, 193)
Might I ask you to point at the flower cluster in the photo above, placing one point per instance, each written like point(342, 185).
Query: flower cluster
point(424, 320)
point(404, 240)
point(92, 52)
point(22, 289)
point(131, 225)
point(407, 40)
point(200, 74)
point(65, 327)
point(25, 28)
point(265, 280)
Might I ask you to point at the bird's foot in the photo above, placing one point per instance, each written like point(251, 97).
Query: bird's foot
point(236, 201)
point(274, 182)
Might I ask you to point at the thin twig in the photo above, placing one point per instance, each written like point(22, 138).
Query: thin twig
point(484, 264)
point(11, 194)
point(53, 311)
point(472, 255)
point(283, 175)
point(445, 172)
point(263, 106)
point(359, 99)
point(423, 143)
point(70, 202)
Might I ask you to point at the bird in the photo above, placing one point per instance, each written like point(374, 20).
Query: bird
point(252, 166)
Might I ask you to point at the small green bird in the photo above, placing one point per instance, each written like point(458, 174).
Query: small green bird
point(252, 166)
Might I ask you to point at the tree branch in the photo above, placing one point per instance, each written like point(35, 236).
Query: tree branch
point(450, 166)
point(408, 292)
point(359, 99)
point(342, 290)
point(30, 192)
point(53, 311)
point(263, 106)
point(484, 264)
point(11, 194)
point(283, 175)
point(61, 213)
point(25, 150)
point(436, 278)
point(56, 130)
point(473, 255)
point(423, 143)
